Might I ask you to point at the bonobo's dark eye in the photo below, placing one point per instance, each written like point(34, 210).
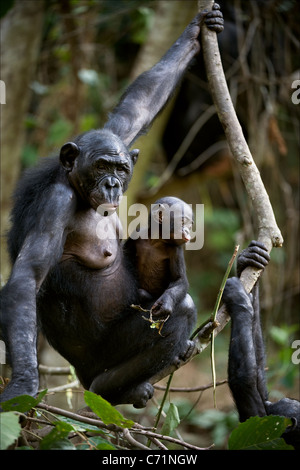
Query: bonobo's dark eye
point(101, 166)
point(122, 170)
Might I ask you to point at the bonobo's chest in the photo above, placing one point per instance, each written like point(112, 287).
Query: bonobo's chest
point(153, 266)
point(93, 239)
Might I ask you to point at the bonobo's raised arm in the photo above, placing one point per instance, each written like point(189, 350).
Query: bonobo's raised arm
point(150, 92)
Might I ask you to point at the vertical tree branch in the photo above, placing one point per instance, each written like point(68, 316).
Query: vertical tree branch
point(268, 232)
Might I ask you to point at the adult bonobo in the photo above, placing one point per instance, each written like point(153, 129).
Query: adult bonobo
point(77, 286)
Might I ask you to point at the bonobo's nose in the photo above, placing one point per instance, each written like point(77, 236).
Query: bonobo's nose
point(111, 182)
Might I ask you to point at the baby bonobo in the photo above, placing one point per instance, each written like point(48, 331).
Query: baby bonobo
point(157, 252)
point(157, 255)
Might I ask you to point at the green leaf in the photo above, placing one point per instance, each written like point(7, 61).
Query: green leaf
point(105, 411)
point(10, 429)
point(172, 420)
point(260, 434)
point(22, 403)
point(56, 439)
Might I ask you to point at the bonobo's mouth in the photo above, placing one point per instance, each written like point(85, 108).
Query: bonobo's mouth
point(106, 208)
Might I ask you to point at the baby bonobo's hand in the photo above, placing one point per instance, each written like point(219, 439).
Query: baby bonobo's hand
point(255, 255)
point(162, 308)
point(145, 296)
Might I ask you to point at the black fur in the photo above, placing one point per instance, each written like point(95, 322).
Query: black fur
point(246, 367)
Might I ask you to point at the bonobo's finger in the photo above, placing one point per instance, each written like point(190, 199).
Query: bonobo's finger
point(255, 261)
point(259, 255)
point(215, 15)
point(216, 28)
point(214, 20)
point(156, 309)
point(250, 260)
point(255, 255)
point(259, 249)
point(200, 17)
point(254, 243)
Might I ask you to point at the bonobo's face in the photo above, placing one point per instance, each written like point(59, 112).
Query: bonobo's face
point(99, 168)
point(175, 218)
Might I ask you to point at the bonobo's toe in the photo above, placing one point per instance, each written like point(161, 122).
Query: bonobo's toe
point(185, 354)
point(141, 394)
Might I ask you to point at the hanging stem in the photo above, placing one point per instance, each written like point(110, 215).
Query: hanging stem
point(160, 410)
point(214, 315)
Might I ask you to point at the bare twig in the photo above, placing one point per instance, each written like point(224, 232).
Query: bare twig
point(64, 387)
point(168, 438)
point(127, 434)
point(191, 389)
point(51, 370)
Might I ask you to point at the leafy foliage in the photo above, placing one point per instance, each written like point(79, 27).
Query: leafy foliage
point(106, 411)
point(23, 403)
point(255, 434)
point(10, 429)
point(58, 437)
point(172, 420)
point(260, 434)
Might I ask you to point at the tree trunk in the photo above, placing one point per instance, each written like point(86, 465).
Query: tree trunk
point(21, 30)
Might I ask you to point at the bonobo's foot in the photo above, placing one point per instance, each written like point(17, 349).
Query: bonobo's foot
point(16, 388)
point(255, 255)
point(236, 298)
point(139, 396)
point(185, 354)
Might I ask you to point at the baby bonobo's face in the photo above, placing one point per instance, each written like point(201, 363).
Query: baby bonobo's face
point(175, 218)
point(181, 223)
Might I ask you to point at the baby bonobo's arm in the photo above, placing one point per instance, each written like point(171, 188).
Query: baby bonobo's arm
point(178, 286)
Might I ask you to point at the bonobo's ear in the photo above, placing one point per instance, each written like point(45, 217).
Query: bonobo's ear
point(68, 154)
point(134, 155)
